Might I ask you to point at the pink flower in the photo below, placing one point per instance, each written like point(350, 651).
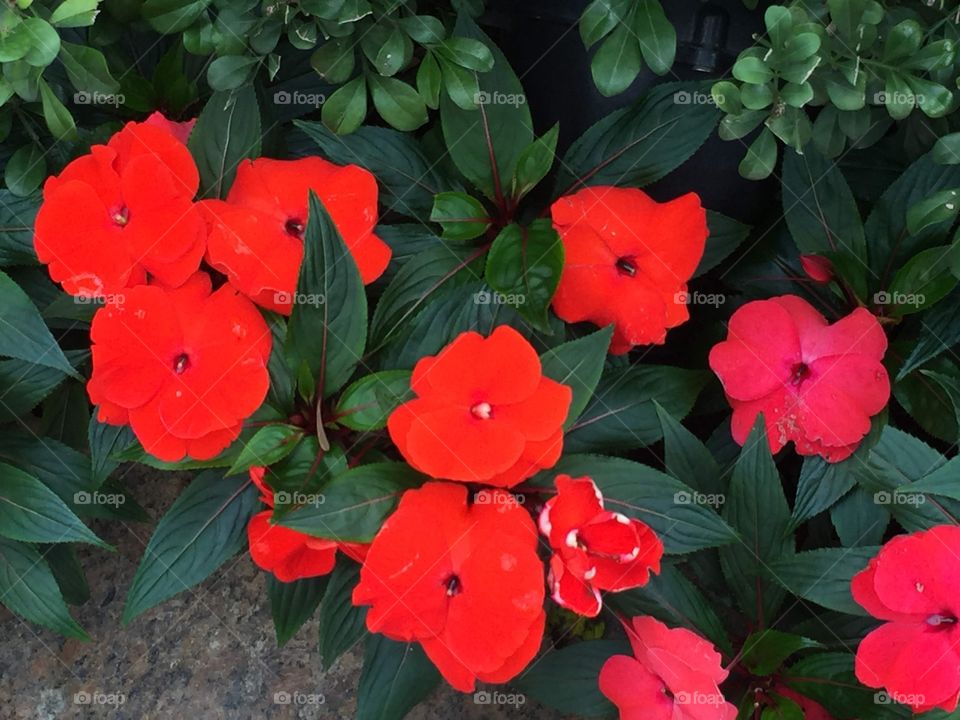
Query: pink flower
point(914, 584)
point(816, 384)
point(673, 675)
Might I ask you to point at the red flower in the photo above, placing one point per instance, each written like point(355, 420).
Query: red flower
point(593, 549)
point(673, 676)
point(819, 269)
point(484, 412)
point(180, 130)
point(816, 384)
point(183, 367)
point(463, 580)
point(288, 554)
point(914, 584)
point(628, 259)
point(256, 235)
point(121, 214)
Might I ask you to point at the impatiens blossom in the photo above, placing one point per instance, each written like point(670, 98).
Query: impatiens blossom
point(288, 554)
point(256, 235)
point(183, 367)
point(462, 579)
point(483, 412)
point(914, 585)
point(123, 214)
point(628, 260)
point(816, 384)
point(180, 130)
point(593, 549)
point(673, 675)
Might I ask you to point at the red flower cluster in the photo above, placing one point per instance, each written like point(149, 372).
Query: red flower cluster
point(912, 583)
point(183, 367)
point(122, 214)
point(593, 549)
point(256, 235)
point(463, 580)
point(288, 554)
point(628, 260)
point(816, 384)
point(484, 412)
point(673, 675)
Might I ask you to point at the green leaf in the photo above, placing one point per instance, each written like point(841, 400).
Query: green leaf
point(408, 181)
point(355, 503)
point(940, 207)
point(823, 576)
point(27, 383)
point(227, 132)
point(68, 573)
point(28, 588)
point(673, 599)
point(726, 235)
point(503, 119)
point(616, 63)
point(751, 70)
point(903, 40)
point(170, 16)
point(686, 458)
point(30, 512)
point(23, 334)
point(329, 335)
point(578, 364)
point(821, 211)
point(758, 510)
point(398, 103)
point(535, 162)
point(622, 414)
point(342, 624)
point(829, 679)
point(940, 331)
point(461, 216)
point(416, 284)
point(599, 18)
point(761, 157)
point(87, 70)
point(105, 440)
point(764, 651)
point(75, 13)
point(566, 679)
point(656, 36)
point(924, 280)
point(269, 444)
point(820, 485)
point(859, 519)
point(203, 528)
point(468, 52)
point(395, 677)
point(429, 81)
point(526, 263)
point(334, 61)
point(344, 111)
point(16, 228)
point(648, 495)
point(947, 150)
point(44, 42)
point(230, 72)
point(367, 403)
point(59, 120)
point(25, 170)
point(639, 144)
point(292, 604)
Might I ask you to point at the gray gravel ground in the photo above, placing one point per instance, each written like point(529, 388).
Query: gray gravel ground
point(209, 653)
